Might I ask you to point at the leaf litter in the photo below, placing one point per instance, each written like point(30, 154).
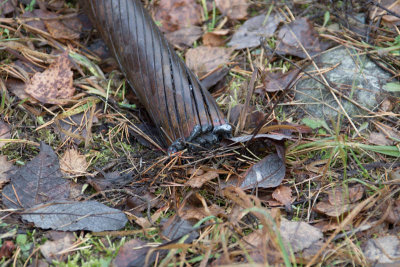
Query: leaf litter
point(296, 186)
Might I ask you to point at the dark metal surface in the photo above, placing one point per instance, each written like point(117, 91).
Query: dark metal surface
point(180, 107)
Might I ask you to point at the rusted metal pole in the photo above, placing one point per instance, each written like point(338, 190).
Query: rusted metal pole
point(183, 111)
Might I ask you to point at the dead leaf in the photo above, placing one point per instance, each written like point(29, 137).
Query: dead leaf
point(383, 250)
point(394, 213)
point(73, 216)
point(268, 172)
point(278, 81)
point(299, 235)
point(342, 195)
point(198, 213)
point(54, 84)
point(176, 227)
point(204, 59)
point(283, 194)
point(74, 127)
point(184, 36)
point(332, 210)
point(297, 34)
point(176, 14)
point(214, 77)
point(47, 21)
point(7, 249)
point(73, 162)
point(199, 180)
point(233, 9)
point(17, 87)
point(4, 133)
point(379, 139)
point(51, 249)
point(134, 253)
point(141, 203)
point(211, 39)
point(7, 7)
point(253, 116)
point(39, 181)
point(250, 33)
point(110, 180)
point(5, 170)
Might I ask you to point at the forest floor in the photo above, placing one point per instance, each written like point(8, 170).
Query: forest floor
point(311, 176)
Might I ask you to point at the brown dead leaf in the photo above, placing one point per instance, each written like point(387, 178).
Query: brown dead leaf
point(233, 9)
point(54, 84)
point(199, 180)
point(47, 21)
point(341, 196)
point(73, 162)
point(17, 87)
point(278, 81)
point(332, 210)
point(184, 36)
point(198, 213)
point(253, 116)
point(4, 133)
point(176, 14)
point(379, 139)
point(204, 59)
point(5, 168)
point(51, 249)
point(283, 194)
point(394, 213)
point(7, 7)
point(7, 249)
point(211, 39)
point(297, 34)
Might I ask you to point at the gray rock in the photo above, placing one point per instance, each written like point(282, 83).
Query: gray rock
point(378, 250)
point(356, 77)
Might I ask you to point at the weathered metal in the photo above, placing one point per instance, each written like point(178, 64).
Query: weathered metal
point(183, 111)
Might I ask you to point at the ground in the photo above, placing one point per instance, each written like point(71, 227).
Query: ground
point(317, 184)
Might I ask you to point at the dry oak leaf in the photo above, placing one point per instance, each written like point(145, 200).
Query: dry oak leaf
point(54, 84)
point(176, 14)
point(73, 162)
point(212, 39)
point(198, 181)
point(233, 9)
point(204, 59)
point(283, 194)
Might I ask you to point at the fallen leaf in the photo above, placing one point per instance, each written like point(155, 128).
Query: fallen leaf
point(204, 59)
point(110, 180)
point(4, 133)
point(39, 181)
point(199, 180)
point(342, 196)
point(332, 210)
point(211, 39)
point(278, 81)
point(283, 194)
point(383, 250)
point(233, 9)
point(141, 203)
point(134, 253)
point(176, 14)
point(184, 36)
point(7, 7)
point(5, 168)
point(51, 249)
point(299, 235)
point(54, 84)
point(268, 172)
point(250, 33)
point(394, 213)
point(214, 77)
point(176, 227)
point(198, 213)
point(73, 162)
point(74, 127)
point(248, 137)
point(253, 116)
point(297, 34)
point(73, 216)
point(7, 249)
point(50, 22)
point(379, 139)
point(17, 87)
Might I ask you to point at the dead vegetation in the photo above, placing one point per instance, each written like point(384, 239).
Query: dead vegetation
point(292, 187)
